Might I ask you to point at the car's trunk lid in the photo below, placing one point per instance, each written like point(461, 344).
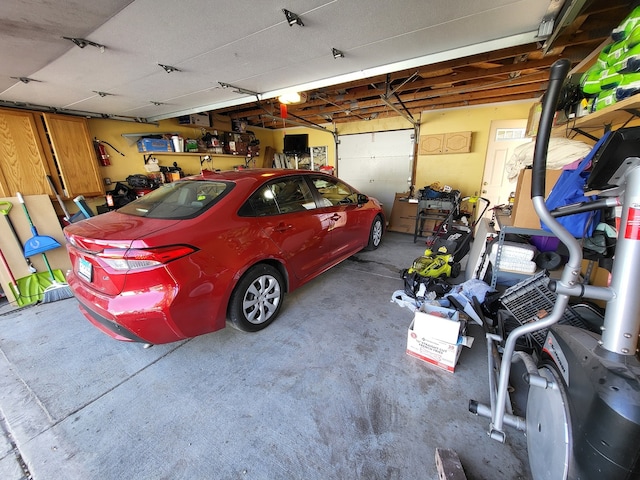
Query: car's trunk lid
point(108, 235)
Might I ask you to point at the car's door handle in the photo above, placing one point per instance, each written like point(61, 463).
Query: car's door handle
point(335, 217)
point(282, 227)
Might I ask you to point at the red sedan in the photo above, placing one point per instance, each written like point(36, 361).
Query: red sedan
point(182, 260)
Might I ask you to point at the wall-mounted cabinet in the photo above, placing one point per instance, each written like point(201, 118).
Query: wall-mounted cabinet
point(440, 143)
point(34, 145)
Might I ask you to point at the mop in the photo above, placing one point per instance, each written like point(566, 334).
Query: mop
point(40, 244)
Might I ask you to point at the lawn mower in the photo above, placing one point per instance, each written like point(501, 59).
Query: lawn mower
point(439, 264)
point(583, 404)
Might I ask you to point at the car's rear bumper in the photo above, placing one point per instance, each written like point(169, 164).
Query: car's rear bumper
point(111, 328)
point(132, 316)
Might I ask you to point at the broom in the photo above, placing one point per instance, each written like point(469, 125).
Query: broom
point(56, 291)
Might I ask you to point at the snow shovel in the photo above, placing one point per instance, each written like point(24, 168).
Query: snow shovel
point(37, 243)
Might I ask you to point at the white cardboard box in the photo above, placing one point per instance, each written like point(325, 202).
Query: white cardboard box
point(200, 119)
point(437, 339)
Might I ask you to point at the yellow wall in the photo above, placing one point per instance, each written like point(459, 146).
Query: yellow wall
point(133, 162)
point(463, 171)
point(317, 138)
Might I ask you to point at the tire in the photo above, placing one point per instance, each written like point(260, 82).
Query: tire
point(455, 270)
point(257, 298)
point(375, 234)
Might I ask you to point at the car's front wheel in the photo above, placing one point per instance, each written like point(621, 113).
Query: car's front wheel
point(375, 234)
point(257, 298)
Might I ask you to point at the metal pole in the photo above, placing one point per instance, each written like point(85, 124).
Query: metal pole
point(622, 316)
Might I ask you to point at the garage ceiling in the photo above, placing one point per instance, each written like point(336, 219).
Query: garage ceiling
point(237, 56)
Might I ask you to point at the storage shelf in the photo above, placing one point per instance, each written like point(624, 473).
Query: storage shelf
point(615, 114)
point(504, 224)
point(194, 154)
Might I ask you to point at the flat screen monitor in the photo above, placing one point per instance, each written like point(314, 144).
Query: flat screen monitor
point(296, 144)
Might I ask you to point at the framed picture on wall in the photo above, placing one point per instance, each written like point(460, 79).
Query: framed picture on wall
point(318, 157)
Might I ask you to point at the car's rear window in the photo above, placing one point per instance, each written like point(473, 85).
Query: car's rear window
point(178, 200)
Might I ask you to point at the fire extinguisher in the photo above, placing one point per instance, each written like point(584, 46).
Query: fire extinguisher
point(101, 152)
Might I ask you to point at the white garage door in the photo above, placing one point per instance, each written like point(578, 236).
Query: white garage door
point(378, 164)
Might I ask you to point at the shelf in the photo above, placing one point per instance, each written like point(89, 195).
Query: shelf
point(505, 227)
point(618, 113)
point(146, 134)
point(204, 156)
point(194, 154)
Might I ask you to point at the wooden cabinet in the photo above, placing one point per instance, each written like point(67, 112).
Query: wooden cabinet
point(74, 155)
point(23, 165)
point(439, 143)
point(34, 145)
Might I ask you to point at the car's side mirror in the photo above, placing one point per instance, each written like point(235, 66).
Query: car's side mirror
point(362, 199)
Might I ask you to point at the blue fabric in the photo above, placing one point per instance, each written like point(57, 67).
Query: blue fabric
point(568, 189)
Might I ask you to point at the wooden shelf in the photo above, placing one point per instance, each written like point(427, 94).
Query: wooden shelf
point(194, 154)
point(615, 114)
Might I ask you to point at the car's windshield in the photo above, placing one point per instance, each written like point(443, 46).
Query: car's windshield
point(178, 200)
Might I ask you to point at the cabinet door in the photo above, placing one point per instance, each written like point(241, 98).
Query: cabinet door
point(74, 155)
point(23, 167)
point(457, 142)
point(431, 144)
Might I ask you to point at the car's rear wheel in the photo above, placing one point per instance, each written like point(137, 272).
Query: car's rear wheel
point(257, 298)
point(375, 234)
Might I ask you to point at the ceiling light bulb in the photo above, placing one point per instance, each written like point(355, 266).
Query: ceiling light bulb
point(292, 98)
point(288, 98)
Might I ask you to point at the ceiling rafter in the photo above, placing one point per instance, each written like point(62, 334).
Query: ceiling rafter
point(508, 74)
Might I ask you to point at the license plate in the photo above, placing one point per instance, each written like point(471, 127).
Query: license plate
point(85, 269)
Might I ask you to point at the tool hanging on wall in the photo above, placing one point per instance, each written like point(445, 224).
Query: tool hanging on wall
point(101, 152)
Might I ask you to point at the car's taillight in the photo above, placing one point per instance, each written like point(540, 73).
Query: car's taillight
point(134, 259)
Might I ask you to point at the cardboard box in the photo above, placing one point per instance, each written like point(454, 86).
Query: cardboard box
point(154, 145)
point(523, 215)
point(437, 337)
point(199, 119)
point(403, 214)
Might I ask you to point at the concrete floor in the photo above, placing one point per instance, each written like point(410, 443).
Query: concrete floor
point(326, 392)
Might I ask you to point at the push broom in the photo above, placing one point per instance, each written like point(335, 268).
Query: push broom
point(40, 244)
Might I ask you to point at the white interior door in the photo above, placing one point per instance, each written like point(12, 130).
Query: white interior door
point(378, 164)
point(504, 137)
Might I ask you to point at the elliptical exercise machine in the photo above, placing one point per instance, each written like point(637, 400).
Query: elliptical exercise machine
point(583, 404)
